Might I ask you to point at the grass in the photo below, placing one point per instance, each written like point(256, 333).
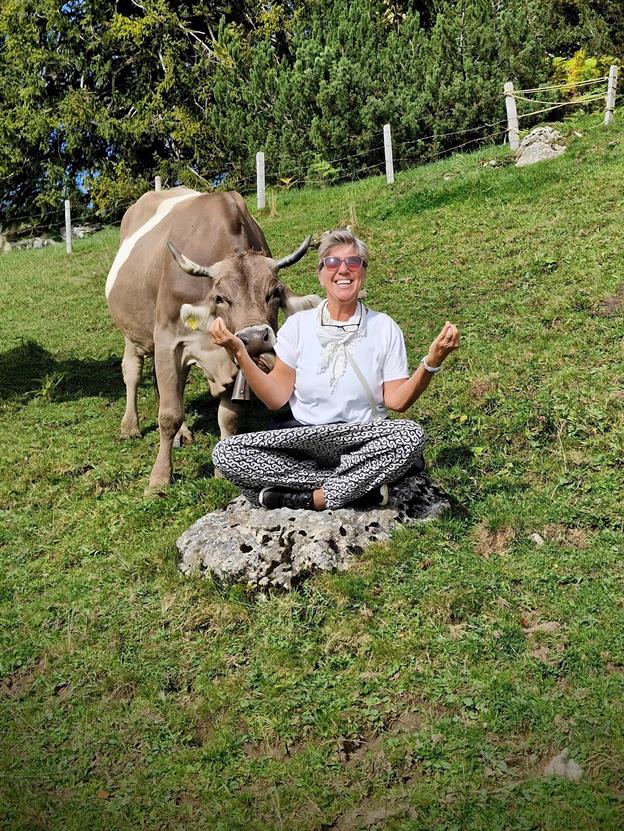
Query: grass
point(425, 689)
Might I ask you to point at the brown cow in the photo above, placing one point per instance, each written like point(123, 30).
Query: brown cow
point(163, 304)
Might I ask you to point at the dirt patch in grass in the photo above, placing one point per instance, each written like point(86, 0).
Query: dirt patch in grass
point(352, 751)
point(123, 692)
point(536, 631)
point(574, 537)
point(488, 542)
point(549, 655)
point(272, 750)
point(372, 813)
point(480, 387)
point(611, 305)
point(18, 683)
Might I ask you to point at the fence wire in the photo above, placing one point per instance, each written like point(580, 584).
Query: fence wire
point(566, 86)
point(561, 104)
point(247, 185)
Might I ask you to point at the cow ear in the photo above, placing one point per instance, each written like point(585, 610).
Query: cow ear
point(197, 317)
point(292, 303)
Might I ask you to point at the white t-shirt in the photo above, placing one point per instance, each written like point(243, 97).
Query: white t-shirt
point(380, 356)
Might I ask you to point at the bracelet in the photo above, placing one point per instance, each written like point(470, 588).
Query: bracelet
point(430, 368)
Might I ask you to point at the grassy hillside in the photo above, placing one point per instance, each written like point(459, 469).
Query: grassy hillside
point(425, 689)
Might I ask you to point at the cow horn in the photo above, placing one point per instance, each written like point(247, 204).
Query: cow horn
point(188, 265)
point(293, 258)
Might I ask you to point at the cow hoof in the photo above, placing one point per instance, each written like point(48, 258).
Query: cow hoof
point(156, 490)
point(132, 433)
point(183, 436)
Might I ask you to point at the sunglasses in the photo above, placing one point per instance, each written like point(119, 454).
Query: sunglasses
point(352, 263)
point(346, 327)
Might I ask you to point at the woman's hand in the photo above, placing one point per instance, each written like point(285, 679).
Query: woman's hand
point(222, 336)
point(443, 345)
point(271, 380)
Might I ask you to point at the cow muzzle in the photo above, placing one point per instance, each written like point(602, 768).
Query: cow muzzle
point(257, 339)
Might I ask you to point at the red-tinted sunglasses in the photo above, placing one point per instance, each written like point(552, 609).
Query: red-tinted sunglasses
point(352, 263)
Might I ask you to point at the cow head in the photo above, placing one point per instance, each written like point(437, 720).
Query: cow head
point(244, 290)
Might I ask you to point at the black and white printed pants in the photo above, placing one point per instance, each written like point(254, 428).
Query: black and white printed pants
point(345, 460)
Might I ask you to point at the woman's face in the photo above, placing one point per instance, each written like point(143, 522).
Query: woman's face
point(342, 285)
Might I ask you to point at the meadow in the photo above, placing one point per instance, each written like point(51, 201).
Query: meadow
point(424, 689)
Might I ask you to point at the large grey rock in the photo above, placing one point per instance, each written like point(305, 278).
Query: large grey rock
point(538, 145)
point(79, 231)
point(242, 543)
point(32, 242)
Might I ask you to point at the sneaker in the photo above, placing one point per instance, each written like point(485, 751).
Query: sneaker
point(275, 497)
point(377, 498)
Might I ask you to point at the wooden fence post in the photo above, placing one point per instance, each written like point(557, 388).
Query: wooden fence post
point(388, 152)
point(260, 180)
point(68, 227)
point(513, 129)
point(157, 183)
point(610, 105)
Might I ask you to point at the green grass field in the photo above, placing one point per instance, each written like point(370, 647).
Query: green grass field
point(428, 687)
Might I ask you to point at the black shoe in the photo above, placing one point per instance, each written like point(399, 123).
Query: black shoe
point(377, 498)
point(275, 497)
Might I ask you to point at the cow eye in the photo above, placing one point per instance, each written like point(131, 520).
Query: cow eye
point(219, 299)
point(277, 292)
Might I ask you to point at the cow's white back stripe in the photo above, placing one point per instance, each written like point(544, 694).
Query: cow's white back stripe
point(125, 249)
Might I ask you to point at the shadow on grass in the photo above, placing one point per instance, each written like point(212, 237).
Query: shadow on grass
point(201, 413)
point(28, 371)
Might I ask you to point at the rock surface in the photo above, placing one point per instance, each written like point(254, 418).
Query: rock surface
point(279, 548)
point(79, 231)
point(540, 144)
point(24, 243)
point(562, 765)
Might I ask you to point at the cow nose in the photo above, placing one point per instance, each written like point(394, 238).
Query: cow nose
point(257, 339)
point(246, 337)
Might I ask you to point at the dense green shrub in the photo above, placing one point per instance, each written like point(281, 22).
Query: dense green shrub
point(97, 98)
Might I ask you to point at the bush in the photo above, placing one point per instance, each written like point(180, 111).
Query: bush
point(580, 68)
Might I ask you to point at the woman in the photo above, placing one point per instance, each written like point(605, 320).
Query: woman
point(341, 366)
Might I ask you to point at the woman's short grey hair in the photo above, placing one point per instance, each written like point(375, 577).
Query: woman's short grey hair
point(341, 236)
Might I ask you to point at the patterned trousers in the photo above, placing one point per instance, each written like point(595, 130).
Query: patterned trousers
point(346, 460)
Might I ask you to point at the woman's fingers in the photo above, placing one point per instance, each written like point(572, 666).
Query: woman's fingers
point(221, 336)
point(219, 331)
point(444, 344)
point(449, 335)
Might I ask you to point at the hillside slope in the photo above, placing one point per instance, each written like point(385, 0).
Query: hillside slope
point(428, 687)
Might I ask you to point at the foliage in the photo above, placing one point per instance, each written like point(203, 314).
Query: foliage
point(191, 91)
point(427, 687)
point(321, 173)
point(580, 67)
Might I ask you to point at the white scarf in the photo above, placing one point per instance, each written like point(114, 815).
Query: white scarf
point(334, 342)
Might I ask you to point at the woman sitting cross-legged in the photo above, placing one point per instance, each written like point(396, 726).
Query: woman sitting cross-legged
point(341, 367)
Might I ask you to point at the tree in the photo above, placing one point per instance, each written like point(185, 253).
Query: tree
point(98, 96)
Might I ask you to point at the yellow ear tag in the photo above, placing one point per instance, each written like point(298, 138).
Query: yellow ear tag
point(191, 322)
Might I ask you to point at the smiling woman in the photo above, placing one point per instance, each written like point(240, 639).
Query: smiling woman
point(341, 367)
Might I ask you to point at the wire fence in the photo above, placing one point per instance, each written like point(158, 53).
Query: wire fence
point(287, 174)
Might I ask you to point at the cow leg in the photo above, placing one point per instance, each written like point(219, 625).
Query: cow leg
point(169, 375)
point(227, 416)
point(131, 367)
point(184, 435)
